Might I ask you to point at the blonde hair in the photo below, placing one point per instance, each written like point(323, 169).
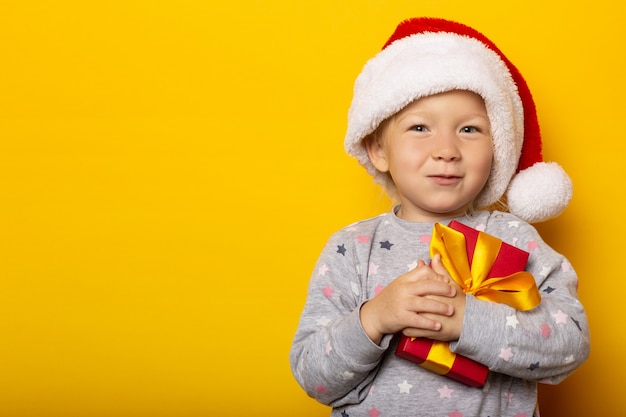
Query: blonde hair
point(383, 178)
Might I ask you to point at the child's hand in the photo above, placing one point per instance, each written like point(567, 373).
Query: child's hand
point(451, 325)
point(417, 301)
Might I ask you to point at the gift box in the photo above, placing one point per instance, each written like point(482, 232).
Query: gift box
point(437, 357)
point(489, 269)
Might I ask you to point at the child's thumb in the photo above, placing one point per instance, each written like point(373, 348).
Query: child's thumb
point(437, 265)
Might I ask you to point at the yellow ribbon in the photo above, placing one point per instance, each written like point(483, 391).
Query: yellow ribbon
point(518, 290)
point(439, 359)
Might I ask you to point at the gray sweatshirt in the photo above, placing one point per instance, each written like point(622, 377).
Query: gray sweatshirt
point(337, 364)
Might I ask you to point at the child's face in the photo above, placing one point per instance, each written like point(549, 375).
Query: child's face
point(438, 151)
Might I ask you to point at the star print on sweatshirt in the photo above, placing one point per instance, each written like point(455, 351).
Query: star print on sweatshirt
point(335, 362)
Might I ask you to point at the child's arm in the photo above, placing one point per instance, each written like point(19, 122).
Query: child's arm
point(546, 343)
point(332, 356)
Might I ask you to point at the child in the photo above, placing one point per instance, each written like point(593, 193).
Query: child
point(447, 125)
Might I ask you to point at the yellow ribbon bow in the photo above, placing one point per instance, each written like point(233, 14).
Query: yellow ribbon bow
point(517, 290)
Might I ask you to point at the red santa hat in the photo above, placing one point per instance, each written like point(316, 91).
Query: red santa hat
point(427, 56)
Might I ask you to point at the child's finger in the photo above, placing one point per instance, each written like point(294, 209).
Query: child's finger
point(437, 265)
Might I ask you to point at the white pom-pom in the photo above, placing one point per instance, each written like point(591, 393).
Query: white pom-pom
point(540, 192)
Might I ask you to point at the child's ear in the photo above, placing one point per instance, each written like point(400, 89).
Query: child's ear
point(377, 154)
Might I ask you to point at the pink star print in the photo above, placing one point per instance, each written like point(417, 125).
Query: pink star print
point(373, 269)
point(378, 289)
point(545, 330)
point(321, 389)
point(322, 271)
point(565, 266)
point(328, 292)
point(456, 413)
point(560, 317)
point(373, 412)
point(329, 348)
point(363, 239)
point(445, 392)
point(506, 354)
point(532, 245)
point(424, 238)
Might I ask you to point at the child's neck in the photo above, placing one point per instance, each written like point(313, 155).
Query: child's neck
point(428, 217)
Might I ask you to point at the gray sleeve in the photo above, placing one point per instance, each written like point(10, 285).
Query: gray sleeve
point(331, 356)
point(544, 344)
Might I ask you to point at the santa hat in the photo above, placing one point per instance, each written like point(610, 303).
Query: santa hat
point(426, 56)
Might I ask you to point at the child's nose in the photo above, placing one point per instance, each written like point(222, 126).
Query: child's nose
point(446, 147)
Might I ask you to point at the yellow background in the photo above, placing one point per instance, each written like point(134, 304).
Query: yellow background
point(169, 171)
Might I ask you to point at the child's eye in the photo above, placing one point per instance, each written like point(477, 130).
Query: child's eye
point(470, 129)
point(419, 128)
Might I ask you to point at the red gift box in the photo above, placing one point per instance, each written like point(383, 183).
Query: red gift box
point(509, 259)
point(421, 351)
point(498, 275)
